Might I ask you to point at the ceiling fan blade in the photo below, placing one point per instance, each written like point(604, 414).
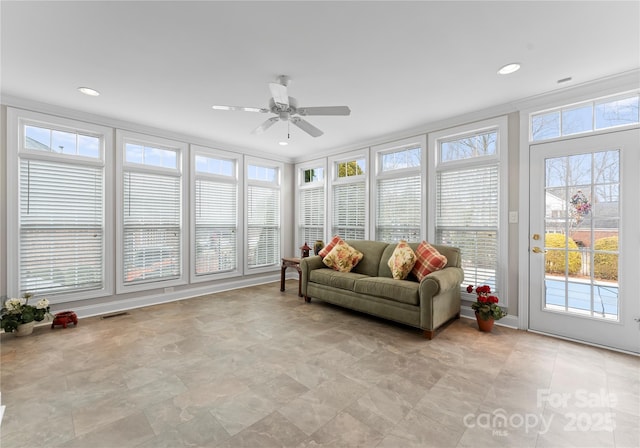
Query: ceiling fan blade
point(266, 125)
point(327, 110)
point(307, 127)
point(279, 94)
point(245, 109)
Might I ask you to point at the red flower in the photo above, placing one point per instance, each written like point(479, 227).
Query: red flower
point(470, 289)
point(493, 299)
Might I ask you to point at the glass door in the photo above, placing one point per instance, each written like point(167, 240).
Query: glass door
point(585, 239)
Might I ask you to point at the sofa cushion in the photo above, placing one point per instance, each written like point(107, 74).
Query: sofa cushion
point(342, 257)
point(372, 260)
point(402, 291)
point(336, 279)
point(428, 260)
point(401, 261)
point(326, 249)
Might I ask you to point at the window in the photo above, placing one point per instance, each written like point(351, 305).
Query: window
point(349, 198)
point(215, 213)
point(351, 168)
point(468, 209)
point(59, 180)
point(311, 211)
point(151, 211)
point(313, 175)
point(586, 117)
point(263, 214)
point(399, 192)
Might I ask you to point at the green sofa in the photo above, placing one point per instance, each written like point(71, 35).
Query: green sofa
point(371, 289)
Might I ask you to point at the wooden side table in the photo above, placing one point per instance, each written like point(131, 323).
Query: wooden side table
point(291, 262)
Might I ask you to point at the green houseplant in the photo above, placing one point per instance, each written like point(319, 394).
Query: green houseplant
point(16, 312)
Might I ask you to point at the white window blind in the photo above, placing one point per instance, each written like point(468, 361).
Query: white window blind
point(216, 226)
point(151, 227)
point(398, 209)
point(349, 208)
point(263, 226)
point(467, 209)
point(311, 217)
point(61, 226)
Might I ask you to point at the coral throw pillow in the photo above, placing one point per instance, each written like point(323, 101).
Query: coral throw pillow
point(428, 260)
point(401, 261)
point(326, 249)
point(343, 257)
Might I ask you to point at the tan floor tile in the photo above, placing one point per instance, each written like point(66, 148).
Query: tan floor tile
point(259, 367)
point(131, 430)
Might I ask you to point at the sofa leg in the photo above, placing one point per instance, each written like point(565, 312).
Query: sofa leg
point(307, 299)
point(429, 334)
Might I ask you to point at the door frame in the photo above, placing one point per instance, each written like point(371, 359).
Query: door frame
point(606, 87)
point(620, 334)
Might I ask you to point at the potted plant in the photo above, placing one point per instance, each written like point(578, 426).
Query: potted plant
point(486, 307)
point(17, 315)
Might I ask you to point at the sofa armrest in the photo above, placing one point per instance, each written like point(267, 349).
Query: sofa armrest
point(442, 280)
point(307, 265)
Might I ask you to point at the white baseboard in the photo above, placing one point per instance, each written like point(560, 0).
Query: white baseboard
point(2, 408)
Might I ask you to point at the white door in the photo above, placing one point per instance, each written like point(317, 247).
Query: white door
point(584, 241)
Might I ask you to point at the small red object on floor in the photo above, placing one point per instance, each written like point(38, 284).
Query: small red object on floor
point(64, 318)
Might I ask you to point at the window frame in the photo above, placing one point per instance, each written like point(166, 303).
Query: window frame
point(593, 102)
point(499, 159)
point(300, 169)
point(380, 174)
point(17, 119)
point(122, 138)
point(196, 150)
point(277, 185)
point(333, 163)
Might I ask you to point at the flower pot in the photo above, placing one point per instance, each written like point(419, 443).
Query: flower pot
point(318, 246)
point(24, 329)
point(485, 325)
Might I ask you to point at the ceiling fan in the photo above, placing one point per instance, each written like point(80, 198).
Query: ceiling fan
point(286, 108)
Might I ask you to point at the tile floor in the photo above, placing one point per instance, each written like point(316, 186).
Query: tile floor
point(260, 368)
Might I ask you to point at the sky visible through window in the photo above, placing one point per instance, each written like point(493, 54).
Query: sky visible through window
point(585, 117)
point(61, 142)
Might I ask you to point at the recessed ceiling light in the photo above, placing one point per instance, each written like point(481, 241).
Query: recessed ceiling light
point(283, 143)
point(89, 91)
point(509, 68)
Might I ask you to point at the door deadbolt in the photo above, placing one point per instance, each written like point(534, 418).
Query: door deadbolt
point(536, 236)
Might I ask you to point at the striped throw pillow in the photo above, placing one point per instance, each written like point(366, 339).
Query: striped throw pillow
point(428, 260)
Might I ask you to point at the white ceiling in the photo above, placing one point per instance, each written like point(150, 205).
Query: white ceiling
point(397, 65)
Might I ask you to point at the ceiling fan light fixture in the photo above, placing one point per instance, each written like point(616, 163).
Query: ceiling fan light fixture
point(89, 91)
point(286, 109)
point(509, 68)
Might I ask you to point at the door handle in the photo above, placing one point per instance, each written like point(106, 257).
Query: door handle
point(537, 250)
